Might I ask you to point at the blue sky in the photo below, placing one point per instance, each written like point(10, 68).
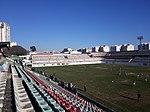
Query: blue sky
point(56, 24)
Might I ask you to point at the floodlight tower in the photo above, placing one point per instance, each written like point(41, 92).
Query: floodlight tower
point(140, 39)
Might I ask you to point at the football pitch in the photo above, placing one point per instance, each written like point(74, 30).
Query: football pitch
point(110, 85)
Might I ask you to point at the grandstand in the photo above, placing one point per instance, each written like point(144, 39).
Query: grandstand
point(41, 60)
point(32, 93)
point(138, 58)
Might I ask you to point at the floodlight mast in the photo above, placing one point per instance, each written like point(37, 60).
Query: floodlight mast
point(140, 39)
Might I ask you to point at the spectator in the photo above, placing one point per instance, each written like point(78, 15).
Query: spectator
point(62, 84)
point(146, 79)
point(46, 74)
point(134, 83)
point(55, 79)
point(43, 73)
point(138, 75)
point(139, 96)
point(59, 83)
point(22, 65)
point(69, 87)
point(84, 88)
point(74, 90)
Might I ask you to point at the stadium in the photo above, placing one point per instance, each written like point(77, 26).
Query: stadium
point(92, 82)
point(75, 56)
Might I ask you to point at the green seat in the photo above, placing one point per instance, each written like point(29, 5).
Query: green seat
point(36, 94)
point(30, 86)
point(48, 97)
point(42, 102)
point(51, 101)
point(46, 108)
point(43, 91)
point(46, 94)
point(40, 89)
point(34, 91)
point(38, 98)
point(57, 106)
point(60, 110)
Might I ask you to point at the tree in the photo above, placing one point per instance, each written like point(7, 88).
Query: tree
point(33, 48)
point(15, 50)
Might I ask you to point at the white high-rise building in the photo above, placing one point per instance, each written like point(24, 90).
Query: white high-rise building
point(127, 47)
point(4, 32)
point(95, 49)
point(104, 48)
point(144, 46)
point(115, 48)
point(85, 50)
point(13, 44)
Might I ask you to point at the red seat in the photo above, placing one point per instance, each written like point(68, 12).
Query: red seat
point(58, 97)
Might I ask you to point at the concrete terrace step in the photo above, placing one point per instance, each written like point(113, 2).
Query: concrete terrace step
point(37, 100)
point(3, 82)
point(23, 103)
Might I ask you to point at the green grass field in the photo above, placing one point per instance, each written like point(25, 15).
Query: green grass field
point(111, 85)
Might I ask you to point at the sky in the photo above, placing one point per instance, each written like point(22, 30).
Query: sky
point(57, 24)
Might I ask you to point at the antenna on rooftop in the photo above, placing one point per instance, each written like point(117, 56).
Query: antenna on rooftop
point(140, 39)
